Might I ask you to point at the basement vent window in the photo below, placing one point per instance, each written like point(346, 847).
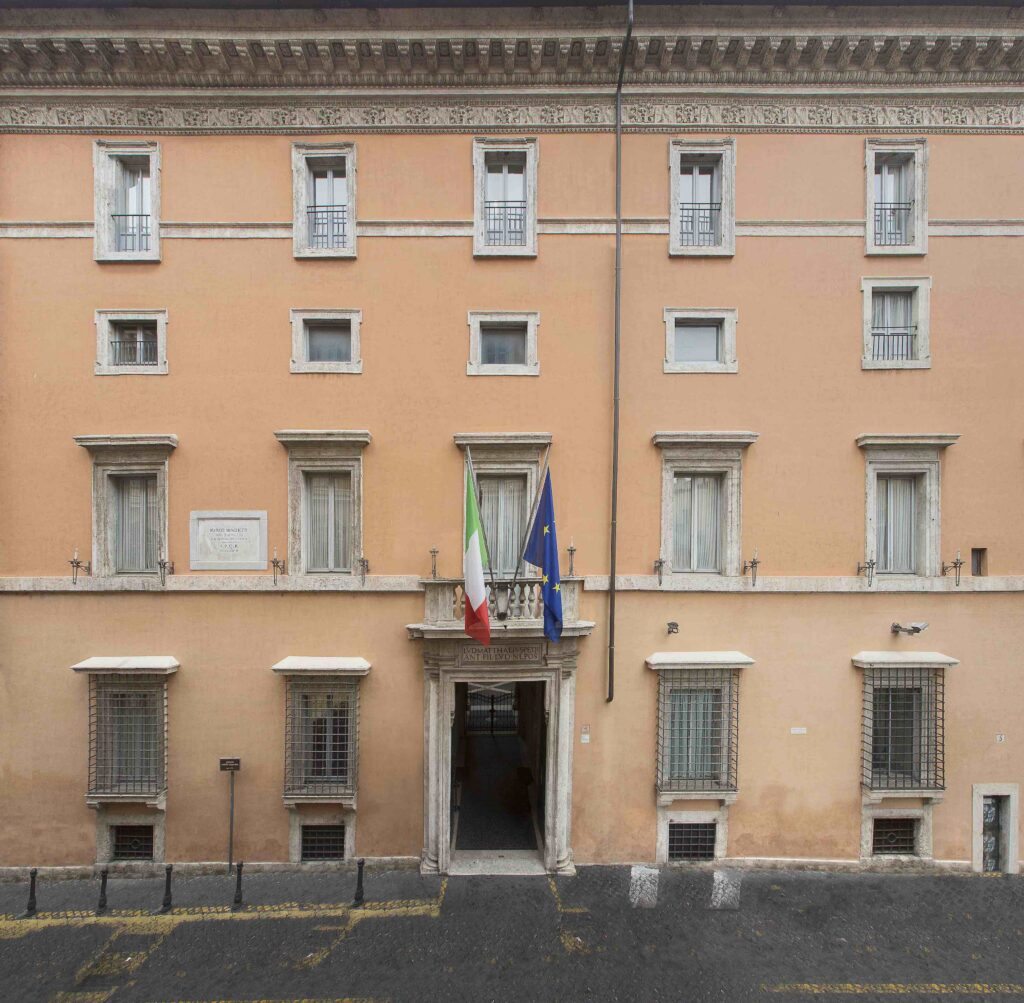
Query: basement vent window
point(894, 837)
point(323, 842)
point(133, 842)
point(691, 840)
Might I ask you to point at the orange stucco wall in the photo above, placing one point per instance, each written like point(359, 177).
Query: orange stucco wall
point(800, 385)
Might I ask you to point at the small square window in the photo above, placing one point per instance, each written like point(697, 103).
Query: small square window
point(326, 341)
point(896, 324)
point(131, 342)
point(894, 837)
point(503, 344)
point(132, 842)
point(700, 341)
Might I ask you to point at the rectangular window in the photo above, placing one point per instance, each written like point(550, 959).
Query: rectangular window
point(697, 729)
point(697, 342)
point(133, 211)
point(700, 201)
point(132, 842)
point(136, 524)
point(894, 836)
point(133, 343)
point(321, 737)
point(328, 342)
point(903, 735)
point(979, 561)
point(894, 199)
point(692, 840)
point(697, 515)
point(503, 344)
point(893, 331)
point(323, 842)
point(503, 512)
point(327, 214)
point(896, 524)
point(505, 201)
point(328, 522)
point(127, 722)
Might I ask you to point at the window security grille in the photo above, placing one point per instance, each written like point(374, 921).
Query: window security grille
point(692, 840)
point(133, 345)
point(894, 836)
point(323, 842)
point(697, 729)
point(136, 524)
point(132, 842)
point(505, 200)
point(904, 716)
point(322, 720)
point(127, 735)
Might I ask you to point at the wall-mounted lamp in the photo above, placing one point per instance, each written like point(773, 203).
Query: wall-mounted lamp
point(433, 561)
point(659, 568)
point(751, 566)
point(77, 565)
point(673, 627)
point(278, 565)
point(572, 557)
point(867, 568)
point(912, 628)
point(955, 566)
point(166, 568)
point(364, 569)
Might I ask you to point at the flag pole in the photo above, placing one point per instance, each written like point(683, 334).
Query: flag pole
point(483, 530)
point(533, 514)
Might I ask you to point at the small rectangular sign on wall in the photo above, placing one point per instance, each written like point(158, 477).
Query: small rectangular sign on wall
point(231, 764)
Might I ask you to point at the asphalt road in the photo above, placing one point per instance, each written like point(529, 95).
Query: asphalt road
point(607, 934)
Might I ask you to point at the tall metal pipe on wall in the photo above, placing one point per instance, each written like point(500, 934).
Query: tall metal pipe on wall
point(618, 353)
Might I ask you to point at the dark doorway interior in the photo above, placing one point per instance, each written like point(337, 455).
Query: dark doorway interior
point(499, 740)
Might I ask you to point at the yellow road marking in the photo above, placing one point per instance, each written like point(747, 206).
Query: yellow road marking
point(565, 909)
point(899, 988)
point(76, 997)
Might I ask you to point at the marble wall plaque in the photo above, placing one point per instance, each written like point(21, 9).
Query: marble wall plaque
point(228, 541)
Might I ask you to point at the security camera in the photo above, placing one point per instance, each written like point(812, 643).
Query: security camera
point(673, 627)
point(917, 628)
point(914, 628)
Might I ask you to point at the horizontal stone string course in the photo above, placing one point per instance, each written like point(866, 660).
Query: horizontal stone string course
point(213, 113)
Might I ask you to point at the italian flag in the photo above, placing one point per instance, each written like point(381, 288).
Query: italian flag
point(478, 623)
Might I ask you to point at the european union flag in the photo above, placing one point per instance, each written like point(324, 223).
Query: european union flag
point(542, 552)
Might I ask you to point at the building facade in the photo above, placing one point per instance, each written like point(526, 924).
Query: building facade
point(269, 278)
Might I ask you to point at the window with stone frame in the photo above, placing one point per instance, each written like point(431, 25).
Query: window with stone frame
point(324, 200)
point(127, 200)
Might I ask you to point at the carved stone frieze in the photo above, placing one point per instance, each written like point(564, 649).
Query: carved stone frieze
point(433, 112)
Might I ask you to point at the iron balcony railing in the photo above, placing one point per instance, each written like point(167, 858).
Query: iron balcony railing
point(327, 226)
point(505, 224)
point(893, 223)
point(131, 231)
point(894, 343)
point(133, 353)
point(700, 224)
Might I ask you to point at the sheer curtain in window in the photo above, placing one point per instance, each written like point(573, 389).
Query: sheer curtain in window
point(328, 522)
point(128, 754)
point(136, 524)
point(325, 737)
point(696, 513)
point(503, 512)
point(694, 747)
point(896, 519)
point(891, 310)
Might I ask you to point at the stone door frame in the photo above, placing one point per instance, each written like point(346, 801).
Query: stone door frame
point(447, 662)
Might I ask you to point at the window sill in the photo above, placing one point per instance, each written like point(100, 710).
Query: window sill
point(505, 251)
point(326, 367)
point(668, 797)
point(293, 801)
point(932, 794)
point(160, 369)
point(109, 256)
point(479, 369)
point(720, 251)
point(701, 367)
point(895, 251)
point(896, 364)
point(156, 801)
point(326, 252)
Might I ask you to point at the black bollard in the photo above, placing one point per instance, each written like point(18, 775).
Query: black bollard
point(237, 902)
point(358, 900)
point(166, 905)
point(101, 906)
point(30, 909)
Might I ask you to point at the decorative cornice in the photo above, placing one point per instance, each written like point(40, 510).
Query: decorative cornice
point(909, 440)
point(99, 443)
point(721, 440)
point(435, 112)
point(781, 53)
